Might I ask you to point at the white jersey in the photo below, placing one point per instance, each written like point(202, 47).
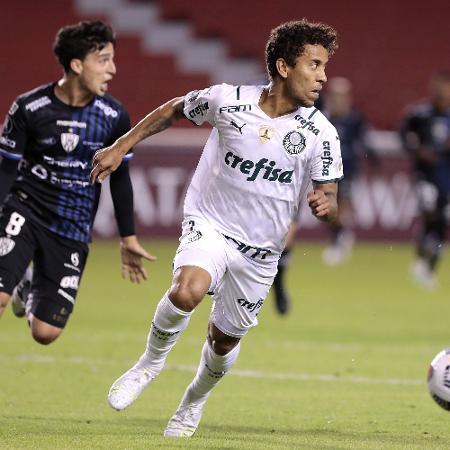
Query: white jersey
point(255, 170)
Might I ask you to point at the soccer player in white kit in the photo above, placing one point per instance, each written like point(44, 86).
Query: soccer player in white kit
point(268, 145)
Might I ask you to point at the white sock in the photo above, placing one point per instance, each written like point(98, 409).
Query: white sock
point(210, 371)
point(167, 326)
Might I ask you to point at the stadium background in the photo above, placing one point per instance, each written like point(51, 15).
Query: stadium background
point(346, 369)
point(168, 47)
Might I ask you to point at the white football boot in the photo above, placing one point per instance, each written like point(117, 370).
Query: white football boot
point(21, 294)
point(422, 273)
point(126, 389)
point(185, 421)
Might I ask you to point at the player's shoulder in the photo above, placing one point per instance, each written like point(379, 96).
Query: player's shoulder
point(111, 100)
point(36, 98)
point(110, 106)
point(234, 91)
point(315, 121)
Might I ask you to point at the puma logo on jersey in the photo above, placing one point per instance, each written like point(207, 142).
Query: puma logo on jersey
point(267, 169)
point(235, 125)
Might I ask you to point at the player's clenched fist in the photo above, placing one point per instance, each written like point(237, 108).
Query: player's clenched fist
point(319, 203)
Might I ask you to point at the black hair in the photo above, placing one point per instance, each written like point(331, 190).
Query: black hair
point(78, 40)
point(289, 39)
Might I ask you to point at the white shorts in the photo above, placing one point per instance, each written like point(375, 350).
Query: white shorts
point(239, 283)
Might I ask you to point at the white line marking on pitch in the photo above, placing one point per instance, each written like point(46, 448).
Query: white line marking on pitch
point(45, 359)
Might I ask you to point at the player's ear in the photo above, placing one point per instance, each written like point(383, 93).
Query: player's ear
point(76, 66)
point(282, 67)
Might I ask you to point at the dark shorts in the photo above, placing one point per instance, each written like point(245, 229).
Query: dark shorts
point(58, 265)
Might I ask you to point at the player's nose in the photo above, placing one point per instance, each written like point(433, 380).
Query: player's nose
point(112, 68)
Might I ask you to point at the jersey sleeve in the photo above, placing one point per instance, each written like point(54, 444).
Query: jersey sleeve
point(200, 106)
point(14, 134)
point(120, 182)
point(327, 160)
point(122, 197)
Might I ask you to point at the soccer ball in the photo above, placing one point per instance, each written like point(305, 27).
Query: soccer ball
point(439, 379)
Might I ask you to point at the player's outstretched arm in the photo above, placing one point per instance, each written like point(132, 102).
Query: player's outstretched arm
point(107, 160)
point(132, 255)
point(323, 201)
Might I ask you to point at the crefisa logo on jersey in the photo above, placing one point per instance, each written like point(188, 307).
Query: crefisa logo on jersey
point(294, 142)
point(69, 141)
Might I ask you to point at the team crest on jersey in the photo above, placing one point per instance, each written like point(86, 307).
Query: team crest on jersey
point(6, 245)
point(294, 142)
point(69, 141)
point(265, 133)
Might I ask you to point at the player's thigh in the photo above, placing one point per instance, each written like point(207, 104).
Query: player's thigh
point(201, 247)
point(17, 246)
point(58, 268)
point(240, 295)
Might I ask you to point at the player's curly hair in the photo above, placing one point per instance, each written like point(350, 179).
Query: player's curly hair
point(288, 41)
point(76, 41)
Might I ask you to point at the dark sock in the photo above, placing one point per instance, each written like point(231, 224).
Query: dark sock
point(281, 295)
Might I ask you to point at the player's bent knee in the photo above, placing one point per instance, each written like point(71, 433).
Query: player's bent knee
point(44, 333)
point(221, 343)
point(188, 288)
point(185, 298)
point(222, 348)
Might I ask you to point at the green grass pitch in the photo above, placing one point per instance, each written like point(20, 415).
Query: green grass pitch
point(345, 370)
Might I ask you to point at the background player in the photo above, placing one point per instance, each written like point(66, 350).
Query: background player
point(48, 140)
point(261, 164)
point(351, 128)
point(336, 105)
point(426, 136)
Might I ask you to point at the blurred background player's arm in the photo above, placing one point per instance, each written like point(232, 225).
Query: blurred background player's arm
point(413, 137)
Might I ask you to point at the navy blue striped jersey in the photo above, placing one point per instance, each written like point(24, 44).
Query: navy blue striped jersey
point(55, 143)
point(351, 130)
point(426, 127)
